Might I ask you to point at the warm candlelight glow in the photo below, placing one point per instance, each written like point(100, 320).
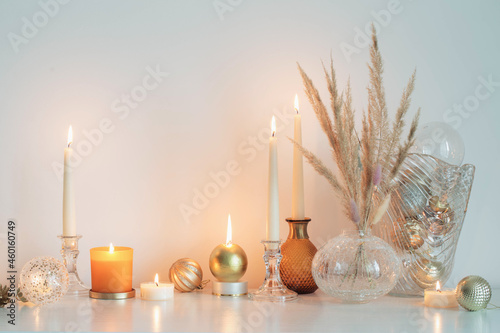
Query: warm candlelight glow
point(297, 103)
point(111, 268)
point(228, 262)
point(70, 136)
point(273, 126)
point(157, 291)
point(440, 297)
point(229, 237)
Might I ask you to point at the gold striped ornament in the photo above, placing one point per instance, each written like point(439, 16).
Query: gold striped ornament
point(186, 275)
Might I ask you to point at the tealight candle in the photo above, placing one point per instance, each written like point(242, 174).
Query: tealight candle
point(440, 298)
point(157, 291)
point(111, 269)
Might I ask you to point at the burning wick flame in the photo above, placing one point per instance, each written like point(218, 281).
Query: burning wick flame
point(111, 248)
point(438, 286)
point(273, 126)
point(229, 237)
point(70, 136)
point(156, 279)
point(296, 103)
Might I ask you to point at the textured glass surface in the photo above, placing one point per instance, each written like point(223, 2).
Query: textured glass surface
point(440, 140)
point(424, 220)
point(473, 293)
point(356, 268)
point(295, 267)
point(44, 280)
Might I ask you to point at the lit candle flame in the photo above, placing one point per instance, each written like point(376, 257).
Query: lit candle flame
point(438, 286)
point(156, 279)
point(70, 136)
point(229, 237)
point(297, 103)
point(273, 126)
point(111, 248)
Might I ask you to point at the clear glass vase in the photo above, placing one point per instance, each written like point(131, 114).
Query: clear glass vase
point(356, 267)
point(424, 220)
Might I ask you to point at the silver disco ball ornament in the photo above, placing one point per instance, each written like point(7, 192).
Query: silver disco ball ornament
point(473, 293)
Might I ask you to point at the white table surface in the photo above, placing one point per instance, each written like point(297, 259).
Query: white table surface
point(201, 312)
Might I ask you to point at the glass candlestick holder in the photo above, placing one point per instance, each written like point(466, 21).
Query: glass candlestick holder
point(273, 290)
point(69, 252)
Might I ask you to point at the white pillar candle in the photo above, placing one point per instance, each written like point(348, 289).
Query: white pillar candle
point(157, 291)
point(273, 209)
point(298, 211)
point(69, 220)
point(440, 298)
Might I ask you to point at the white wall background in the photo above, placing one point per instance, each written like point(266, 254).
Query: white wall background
point(227, 77)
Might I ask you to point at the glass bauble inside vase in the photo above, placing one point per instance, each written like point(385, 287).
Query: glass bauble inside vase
point(424, 220)
point(356, 267)
point(440, 140)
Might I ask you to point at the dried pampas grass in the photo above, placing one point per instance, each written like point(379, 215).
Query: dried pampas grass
point(367, 162)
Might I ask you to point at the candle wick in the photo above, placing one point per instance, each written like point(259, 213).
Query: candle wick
point(273, 134)
point(297, 110)
point(156, 284)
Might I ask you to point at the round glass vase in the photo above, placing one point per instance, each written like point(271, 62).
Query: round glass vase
point(356, 267)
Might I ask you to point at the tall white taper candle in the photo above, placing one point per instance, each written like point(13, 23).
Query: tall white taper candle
point(298, 211)
point(69, 221)
point(273, 210)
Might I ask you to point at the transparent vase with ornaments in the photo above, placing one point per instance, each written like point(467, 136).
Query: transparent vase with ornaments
point(424, 220)
point(356, 267)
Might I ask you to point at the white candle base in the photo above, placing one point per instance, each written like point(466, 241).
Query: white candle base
point(161, 292)
point(440, 299)
point(229, 288)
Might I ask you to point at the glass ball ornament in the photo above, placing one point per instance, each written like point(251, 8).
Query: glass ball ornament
point(44, 280)
point(439, 140)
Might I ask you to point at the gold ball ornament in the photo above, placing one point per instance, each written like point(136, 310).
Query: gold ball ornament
point(228, 262)
point(437, 205)
point(425, 273)
point(407, 235)
point(186, 275)
point(473, 293)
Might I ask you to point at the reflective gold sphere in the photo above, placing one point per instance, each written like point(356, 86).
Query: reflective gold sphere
point(186, 274)
point(425, 273)
point(473, 293)
point(228, 263)
point(407, 235)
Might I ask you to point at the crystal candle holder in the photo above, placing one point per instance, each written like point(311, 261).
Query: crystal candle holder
point(273, 290)
point(70, 252)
